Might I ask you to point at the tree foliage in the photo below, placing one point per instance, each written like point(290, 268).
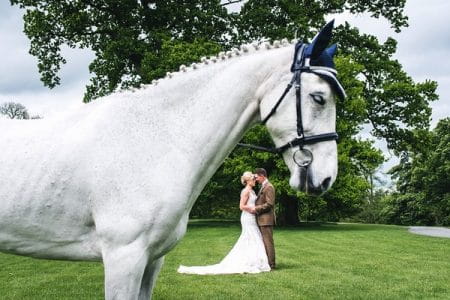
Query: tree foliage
point(395, 104)
point(423, 182)
point(126, 36)
point(14, 110)
point(302, 18)
point(356, 158)
point(137, 41)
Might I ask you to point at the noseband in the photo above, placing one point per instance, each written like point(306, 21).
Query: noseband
point(301, 64)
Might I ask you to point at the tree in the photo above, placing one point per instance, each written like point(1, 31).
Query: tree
point(391, 95)
point(127, 36)
point(395, 104)
point(138, 41)
point(356, 158)
point(423, 184)
point(286, 19)
point(14, 110)
point(386, 98)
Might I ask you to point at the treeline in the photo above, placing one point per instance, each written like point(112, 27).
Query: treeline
point(423, 182)
point(421, 196)
point(136, 42)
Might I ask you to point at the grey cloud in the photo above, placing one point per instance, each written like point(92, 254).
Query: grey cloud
point(429, 26)
point(76, 69)
point(21, 68)
point(422, 65)
point(441, 108)
point(48, 103)
point(8, 12)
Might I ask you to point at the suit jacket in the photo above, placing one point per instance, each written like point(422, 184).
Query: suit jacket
point(265, 206)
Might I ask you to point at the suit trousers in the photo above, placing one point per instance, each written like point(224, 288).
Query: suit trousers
point(267, 235)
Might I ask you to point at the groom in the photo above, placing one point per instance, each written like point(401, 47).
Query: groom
point(265, 215)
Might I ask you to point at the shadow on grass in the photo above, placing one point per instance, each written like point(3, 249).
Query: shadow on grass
point(303, 226)
point(213, 223)
point(329, 226)
point(284, 266)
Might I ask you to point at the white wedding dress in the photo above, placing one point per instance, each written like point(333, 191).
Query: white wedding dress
point(247, 256)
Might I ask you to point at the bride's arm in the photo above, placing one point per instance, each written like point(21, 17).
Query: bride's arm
point(245, 194)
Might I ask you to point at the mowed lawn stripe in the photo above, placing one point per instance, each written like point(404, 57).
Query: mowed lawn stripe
point(315, 261)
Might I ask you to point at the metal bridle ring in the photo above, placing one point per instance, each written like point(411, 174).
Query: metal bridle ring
point(303, 157)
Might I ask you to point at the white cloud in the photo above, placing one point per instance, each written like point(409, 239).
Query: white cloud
point(15, 59)
point(20, 80)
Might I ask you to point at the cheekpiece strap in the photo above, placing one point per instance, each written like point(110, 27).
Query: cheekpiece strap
point(298, 61)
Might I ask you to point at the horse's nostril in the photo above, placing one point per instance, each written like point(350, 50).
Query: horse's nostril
point(326, 183)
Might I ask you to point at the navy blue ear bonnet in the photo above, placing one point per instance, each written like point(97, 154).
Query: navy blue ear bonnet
point(318, 59)
point(326, 58)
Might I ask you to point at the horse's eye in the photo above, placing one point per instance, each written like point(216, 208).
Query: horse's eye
point(318, 98)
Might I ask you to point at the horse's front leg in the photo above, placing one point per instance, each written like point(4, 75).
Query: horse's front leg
point(124, 270)
point(149, 279)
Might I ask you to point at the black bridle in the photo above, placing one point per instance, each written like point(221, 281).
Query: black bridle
point(302, 157)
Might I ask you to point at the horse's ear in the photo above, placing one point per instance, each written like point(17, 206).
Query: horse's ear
point(331, 51)
point(320, 41)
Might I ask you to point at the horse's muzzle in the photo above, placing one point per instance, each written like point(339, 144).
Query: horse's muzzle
point(306, 183)
point(317, 190)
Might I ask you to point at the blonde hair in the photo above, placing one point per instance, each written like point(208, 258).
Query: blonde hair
point(246, 177)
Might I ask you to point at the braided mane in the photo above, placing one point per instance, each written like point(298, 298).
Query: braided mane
point(244, 49)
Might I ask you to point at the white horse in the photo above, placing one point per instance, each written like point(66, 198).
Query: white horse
point(115, 181)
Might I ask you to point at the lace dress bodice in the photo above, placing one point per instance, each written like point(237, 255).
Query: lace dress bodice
point(246, 217)
point(252, 199)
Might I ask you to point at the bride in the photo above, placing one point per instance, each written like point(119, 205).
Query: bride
point(248, 254)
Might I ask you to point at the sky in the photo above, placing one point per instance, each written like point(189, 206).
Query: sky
point(422, 50)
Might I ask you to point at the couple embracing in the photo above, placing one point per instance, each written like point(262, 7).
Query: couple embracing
point(254, 251)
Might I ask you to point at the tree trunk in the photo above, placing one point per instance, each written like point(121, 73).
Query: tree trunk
point(288, 213)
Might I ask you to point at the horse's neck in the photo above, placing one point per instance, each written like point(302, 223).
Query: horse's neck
point(222, 103)
point(205, 112)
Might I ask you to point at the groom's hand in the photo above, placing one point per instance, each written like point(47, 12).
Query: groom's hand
point(252, 210)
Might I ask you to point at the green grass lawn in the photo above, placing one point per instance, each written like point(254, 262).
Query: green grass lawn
point(327, 261)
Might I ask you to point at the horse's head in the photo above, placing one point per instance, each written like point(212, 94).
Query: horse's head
point(303, 122)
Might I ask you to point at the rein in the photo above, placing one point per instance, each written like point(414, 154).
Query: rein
point(302, 157)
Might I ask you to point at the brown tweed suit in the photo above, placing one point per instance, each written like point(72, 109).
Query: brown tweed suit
point(265, 217)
